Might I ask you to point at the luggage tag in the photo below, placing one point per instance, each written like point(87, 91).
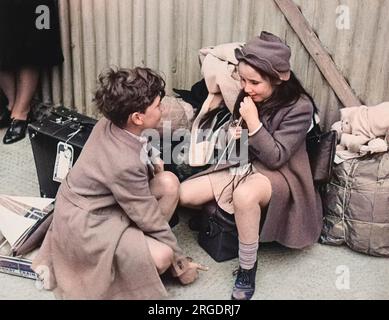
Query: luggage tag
point(63, 161)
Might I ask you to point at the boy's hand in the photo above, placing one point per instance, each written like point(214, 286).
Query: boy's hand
point(158, 165)
point(192, 272)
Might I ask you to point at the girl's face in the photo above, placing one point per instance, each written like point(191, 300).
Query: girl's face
point(258, 88)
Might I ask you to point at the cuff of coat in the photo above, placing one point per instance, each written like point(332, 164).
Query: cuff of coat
point(256, 130)
point(179, 266)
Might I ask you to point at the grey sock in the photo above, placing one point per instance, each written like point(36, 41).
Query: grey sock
point(248, 254)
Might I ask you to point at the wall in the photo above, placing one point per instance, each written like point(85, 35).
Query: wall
point(166, 35)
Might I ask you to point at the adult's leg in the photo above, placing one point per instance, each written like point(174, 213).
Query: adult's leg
point(165, 187)
point(161, 253)
point(196, 192)
point(26, 84)
point(8, 85)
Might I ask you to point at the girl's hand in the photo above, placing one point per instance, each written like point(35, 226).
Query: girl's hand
point(249, 112)
point(234, 132)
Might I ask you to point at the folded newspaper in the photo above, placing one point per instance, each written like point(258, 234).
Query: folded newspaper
point(19, 218)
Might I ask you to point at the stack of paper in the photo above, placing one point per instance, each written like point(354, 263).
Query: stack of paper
point(18, 215)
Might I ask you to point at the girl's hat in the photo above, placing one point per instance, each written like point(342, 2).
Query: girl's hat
point(268, 53)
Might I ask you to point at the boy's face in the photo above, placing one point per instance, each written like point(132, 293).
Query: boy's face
point(152, 115)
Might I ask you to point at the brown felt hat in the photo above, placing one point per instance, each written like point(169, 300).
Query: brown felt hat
point(267, 53)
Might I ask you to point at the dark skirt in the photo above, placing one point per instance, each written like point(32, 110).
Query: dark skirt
point(23, 41)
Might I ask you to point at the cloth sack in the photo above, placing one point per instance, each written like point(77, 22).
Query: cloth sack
point(356, 203)
point(178, 112)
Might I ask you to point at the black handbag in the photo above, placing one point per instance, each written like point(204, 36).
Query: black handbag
point(218, 234)
point(321, 149)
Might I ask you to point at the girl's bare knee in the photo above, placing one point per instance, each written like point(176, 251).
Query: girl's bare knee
point(245, 196)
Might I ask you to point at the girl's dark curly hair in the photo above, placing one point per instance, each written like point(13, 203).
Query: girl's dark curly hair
point(121, 92)
point(285, 94)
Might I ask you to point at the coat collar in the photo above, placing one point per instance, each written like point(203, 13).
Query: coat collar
point(123, 135)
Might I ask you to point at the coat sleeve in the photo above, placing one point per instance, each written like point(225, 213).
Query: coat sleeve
point(132, 192)
point(274, 150)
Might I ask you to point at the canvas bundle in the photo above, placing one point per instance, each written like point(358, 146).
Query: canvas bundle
point(356, 205)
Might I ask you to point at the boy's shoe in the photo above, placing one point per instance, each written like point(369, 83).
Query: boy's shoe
point(244, 287)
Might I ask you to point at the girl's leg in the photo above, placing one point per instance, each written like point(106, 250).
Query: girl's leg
point(161, 253)
point(165, 187)
point(8, 85)
point(248, 198)
point(196, 192)
point(26, 84)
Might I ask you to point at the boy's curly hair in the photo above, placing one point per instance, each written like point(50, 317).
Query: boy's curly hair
point(121, 92)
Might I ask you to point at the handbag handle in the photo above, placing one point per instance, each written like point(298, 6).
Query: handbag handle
point(316, 128)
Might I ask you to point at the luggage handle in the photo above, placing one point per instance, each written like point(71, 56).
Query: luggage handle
point(65, 114)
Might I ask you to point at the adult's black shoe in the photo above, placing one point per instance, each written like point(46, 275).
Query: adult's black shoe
point(16, 131)
point(5, 118)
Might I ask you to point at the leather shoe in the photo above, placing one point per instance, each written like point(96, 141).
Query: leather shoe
point(16, 131)
point(5, 118)
point(244, 287)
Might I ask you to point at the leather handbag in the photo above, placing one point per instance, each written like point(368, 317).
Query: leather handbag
point(321, 148)
point(218, 234)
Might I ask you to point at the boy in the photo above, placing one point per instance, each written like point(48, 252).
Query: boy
point(110, 237)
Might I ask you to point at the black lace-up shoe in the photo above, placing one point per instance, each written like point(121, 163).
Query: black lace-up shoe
point(244, 284)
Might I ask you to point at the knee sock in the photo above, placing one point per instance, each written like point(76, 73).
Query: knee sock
point(248, 254)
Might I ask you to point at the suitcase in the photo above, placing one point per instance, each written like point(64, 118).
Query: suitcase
point(45, 135)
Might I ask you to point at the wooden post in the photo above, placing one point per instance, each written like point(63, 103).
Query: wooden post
point(313, 45)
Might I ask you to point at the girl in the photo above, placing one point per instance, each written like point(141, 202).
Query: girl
point(276, 189)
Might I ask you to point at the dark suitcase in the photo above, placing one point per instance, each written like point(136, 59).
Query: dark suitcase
point(45, 135)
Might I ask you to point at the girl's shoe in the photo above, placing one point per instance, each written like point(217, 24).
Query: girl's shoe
point(244, 287)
